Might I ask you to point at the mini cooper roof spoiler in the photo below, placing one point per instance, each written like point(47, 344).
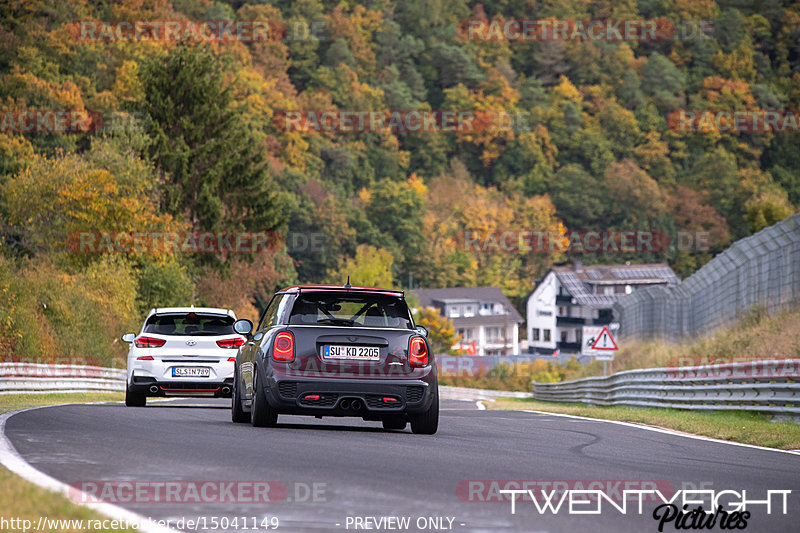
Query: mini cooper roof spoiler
point(341, 288)
point(166, 311)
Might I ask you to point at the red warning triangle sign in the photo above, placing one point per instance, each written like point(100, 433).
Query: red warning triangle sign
point(605, 341)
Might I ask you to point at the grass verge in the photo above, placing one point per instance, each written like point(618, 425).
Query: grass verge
point(20, 499)
point(13, 402)
point(736, 426)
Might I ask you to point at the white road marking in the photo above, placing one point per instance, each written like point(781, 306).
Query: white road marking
point(663, 430)
point(11, 459)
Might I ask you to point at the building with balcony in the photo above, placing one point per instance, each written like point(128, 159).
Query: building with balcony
point(568, 298)
point(483, 317)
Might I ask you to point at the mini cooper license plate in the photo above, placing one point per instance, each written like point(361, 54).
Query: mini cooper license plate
point(365, 353)
point(191, 371)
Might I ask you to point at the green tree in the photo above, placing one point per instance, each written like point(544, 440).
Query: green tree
point(215, 174)
point(397, 210)
point(580, 198)
point(371, 267)
point(718, 173)
point(163, 283)
point(663, 81)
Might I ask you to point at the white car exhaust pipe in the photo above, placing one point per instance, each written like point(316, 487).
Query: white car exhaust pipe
point(153, 389)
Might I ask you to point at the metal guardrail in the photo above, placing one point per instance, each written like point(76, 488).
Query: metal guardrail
point(17, 378)
point(462, 393)
point(767, 386)
point(771, 386)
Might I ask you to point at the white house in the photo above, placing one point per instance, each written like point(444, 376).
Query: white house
point(570, 297)
point(483, 317)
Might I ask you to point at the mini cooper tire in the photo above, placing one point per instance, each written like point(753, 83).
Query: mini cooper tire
point(262, 415)
point(237, 413)
point(427, 423)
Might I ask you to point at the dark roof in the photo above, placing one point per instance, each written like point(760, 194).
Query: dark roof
point(578, 281)
point(427, 297)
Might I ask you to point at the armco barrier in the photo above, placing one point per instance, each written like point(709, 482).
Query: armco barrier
point(16, 378)
point(462, 393)
point(771, 386)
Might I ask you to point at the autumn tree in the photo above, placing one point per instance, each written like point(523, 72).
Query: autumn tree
point(441, 332)
point(371, 267)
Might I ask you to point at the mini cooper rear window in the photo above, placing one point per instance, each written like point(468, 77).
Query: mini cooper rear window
point(350, 309)
point(189, 324)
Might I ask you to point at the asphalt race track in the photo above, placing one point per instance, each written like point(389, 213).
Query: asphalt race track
point(348, 475)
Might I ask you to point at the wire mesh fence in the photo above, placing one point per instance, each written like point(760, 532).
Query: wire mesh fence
point(761, 270)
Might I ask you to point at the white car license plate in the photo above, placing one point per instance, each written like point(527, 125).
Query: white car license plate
point(367, 353)
point(191, 371)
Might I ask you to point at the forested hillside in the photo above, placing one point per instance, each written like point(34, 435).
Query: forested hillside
point(190, 134)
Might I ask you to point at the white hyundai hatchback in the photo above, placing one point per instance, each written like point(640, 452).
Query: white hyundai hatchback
point(182, 351)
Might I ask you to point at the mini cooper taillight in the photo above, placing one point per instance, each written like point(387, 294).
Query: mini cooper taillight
point(230, 343)
point(283, 347)
point(417, 352)
point(148, 342)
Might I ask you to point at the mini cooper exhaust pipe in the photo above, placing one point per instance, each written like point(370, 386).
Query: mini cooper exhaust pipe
point(153, 389)
point(351, 405)
point(226, 390)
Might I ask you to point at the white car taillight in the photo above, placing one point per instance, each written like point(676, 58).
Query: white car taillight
point(230, 343)
point(148, 342)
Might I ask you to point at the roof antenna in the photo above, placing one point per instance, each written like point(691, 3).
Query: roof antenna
point(347, 285)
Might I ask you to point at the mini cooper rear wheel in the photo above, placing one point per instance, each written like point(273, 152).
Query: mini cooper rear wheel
point(237, 413)
point(261, 413)
point(428, 422)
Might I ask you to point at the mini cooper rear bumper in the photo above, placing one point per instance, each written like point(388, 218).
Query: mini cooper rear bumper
point(369, 399)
